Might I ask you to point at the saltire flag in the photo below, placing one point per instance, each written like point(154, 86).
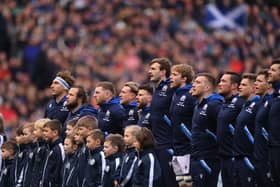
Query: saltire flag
point(230, 19)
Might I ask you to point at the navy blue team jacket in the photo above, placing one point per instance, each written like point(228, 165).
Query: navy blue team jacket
point(261, 130)
point(274, 117)
point(226, 124)
point(53, 164)
point(94, 170)
point(81, 156)
point(204, 126)
point(40, 155)
point(21, 159)
point(161, 101)
point(112, 169)
point(28, 168)
point(144, 117)
point(111, 116)
point(56, 110)
point(69, 171)
point(181, 112)
point(83, 110)
point(7, 173)
point(147, 171)
point(243, 140)
point(131, 114)
point(127, 167)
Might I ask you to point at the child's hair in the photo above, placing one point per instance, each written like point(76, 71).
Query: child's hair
point(71, 138)
point(19, 130)
point(29, 126)
point(116, 140)
point(9, 145)
point(40, 123)
point(90, 122)
point(97, 134)
point(72, 122)
point(75, 129)
point(133, 129)
point(75, 134)
point(54, 125)
point(145, 138)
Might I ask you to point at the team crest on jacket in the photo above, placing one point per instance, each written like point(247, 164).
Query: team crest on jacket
point(67, 166)
point(232, 104)
point(107, 116)
point(5, 171)
point(30, 155)
point(76, 117)
point(20, 155)
point(268, 175)
point(181, 102)
point(203, 111)
point(139, 163)
point(250, 108)
point(146, 119)
point(252, 104)
point(147, 116)
point(265, 104)
point(163, 91)
point(126, 160)
point(84, 149)
point(107, 168)
point(91, 162)
point(64, 108)
point(131, 115)
point(249, 179)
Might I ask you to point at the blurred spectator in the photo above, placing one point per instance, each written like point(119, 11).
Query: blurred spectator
point(4, 40)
